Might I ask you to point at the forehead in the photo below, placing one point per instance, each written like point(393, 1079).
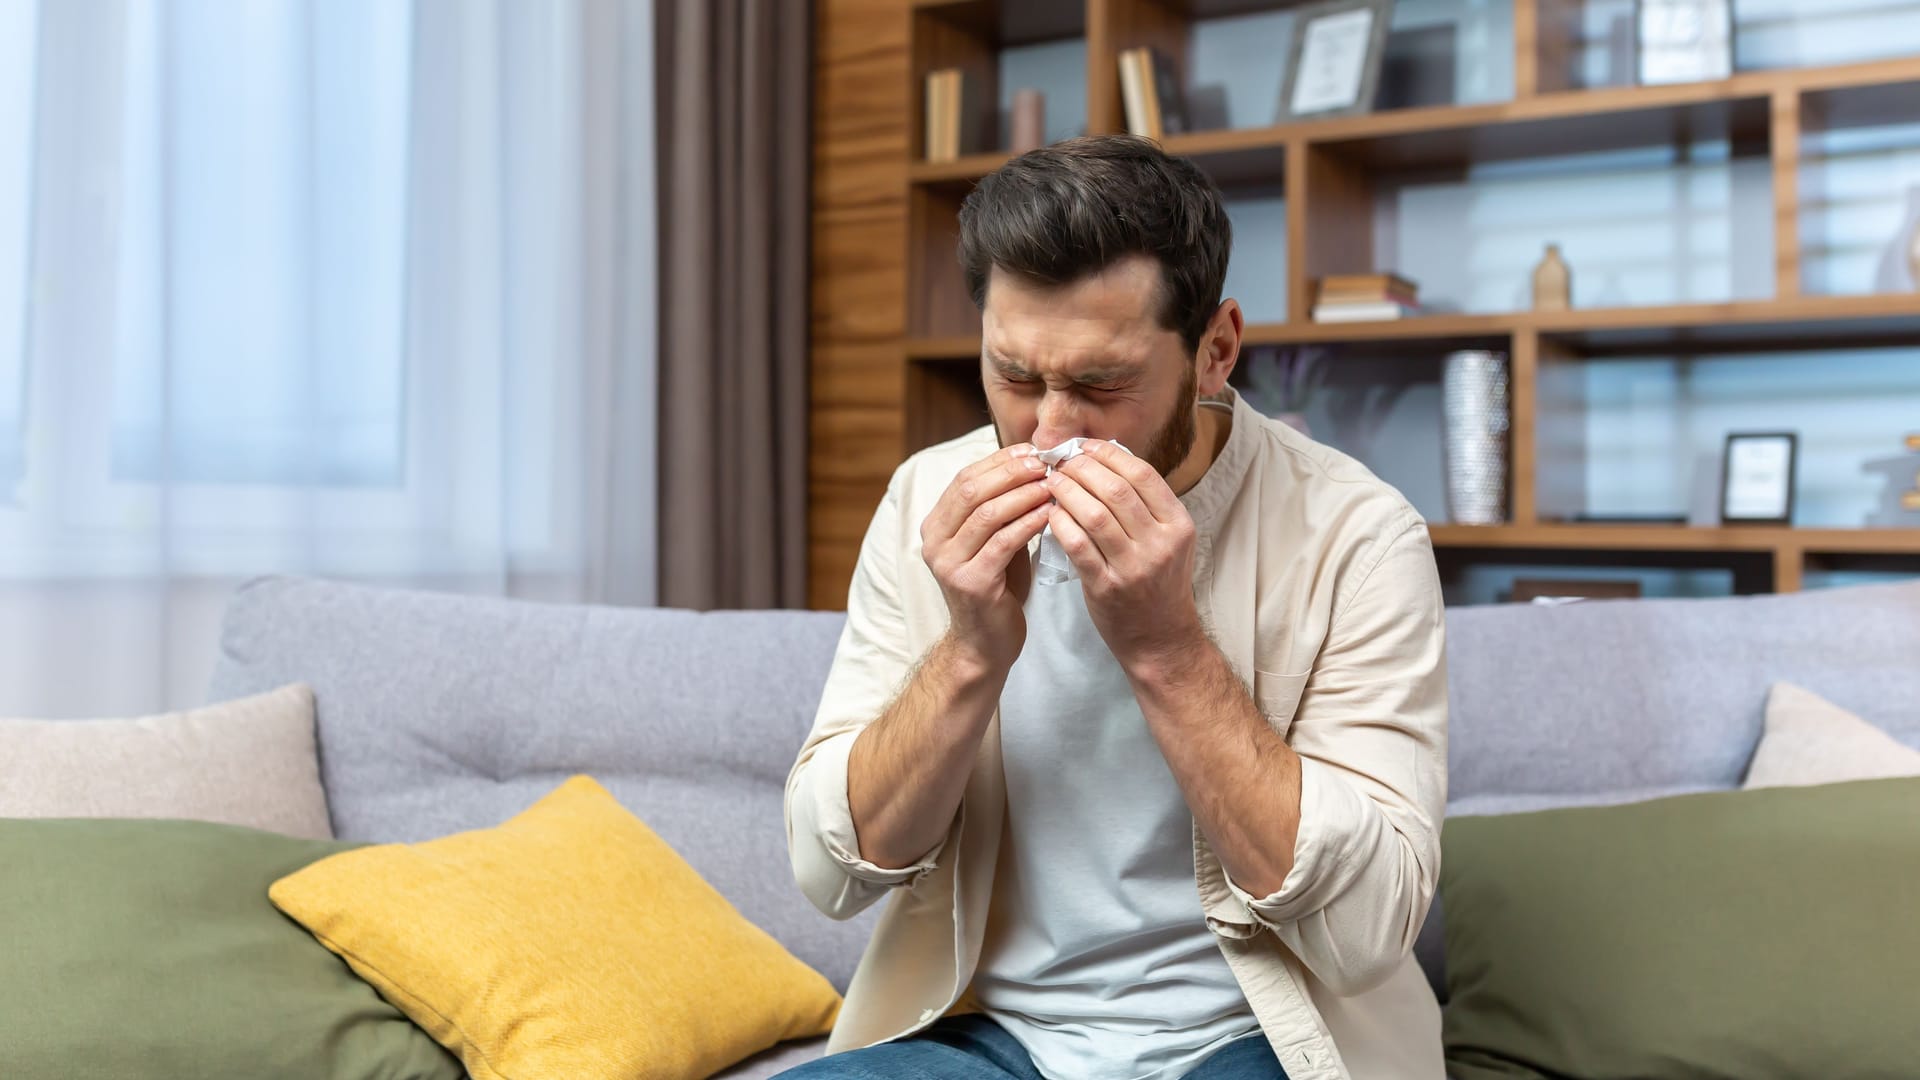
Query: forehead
point(1114, 314)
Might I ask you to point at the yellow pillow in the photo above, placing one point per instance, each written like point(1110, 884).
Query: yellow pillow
point(569, 942)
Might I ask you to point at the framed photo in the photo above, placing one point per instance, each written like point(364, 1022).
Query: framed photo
point(1756, 484)
point(1333, 65)
point(1683, 40)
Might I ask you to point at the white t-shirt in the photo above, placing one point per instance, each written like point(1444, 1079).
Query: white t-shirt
point(1097, 957)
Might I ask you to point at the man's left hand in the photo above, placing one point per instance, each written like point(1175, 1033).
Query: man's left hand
point(1131, 541)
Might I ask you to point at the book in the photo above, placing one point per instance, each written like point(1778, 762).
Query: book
point(1169, 102)
point(937, 116)
point(1362, 311)
point(1133, 89)
point(956, 114)
point(1366, 284)
point(1404, 296)
point(1150, 94)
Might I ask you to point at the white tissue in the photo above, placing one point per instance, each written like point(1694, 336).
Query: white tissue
point(1052, 566)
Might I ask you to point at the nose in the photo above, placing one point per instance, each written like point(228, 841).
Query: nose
point(1057, 420)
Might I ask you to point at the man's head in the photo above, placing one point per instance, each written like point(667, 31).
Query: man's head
point(1097, 265)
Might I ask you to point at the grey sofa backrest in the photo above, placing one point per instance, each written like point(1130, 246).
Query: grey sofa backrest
point(439, 713)
point(1613, 701)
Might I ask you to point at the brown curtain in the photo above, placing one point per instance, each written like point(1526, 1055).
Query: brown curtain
point(733, 96)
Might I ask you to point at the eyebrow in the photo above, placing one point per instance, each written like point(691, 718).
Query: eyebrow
point(1114, 371)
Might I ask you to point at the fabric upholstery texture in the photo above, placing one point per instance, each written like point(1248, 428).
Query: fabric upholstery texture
point(147, 950)
point(568, 943)
point(1759, 934)
point(438, 713)
point(1810, 740)
point(248, 762)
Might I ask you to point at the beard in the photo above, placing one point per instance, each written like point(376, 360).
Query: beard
point(1170, 443)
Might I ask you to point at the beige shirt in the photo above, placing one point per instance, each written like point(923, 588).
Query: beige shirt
point(1317, 582)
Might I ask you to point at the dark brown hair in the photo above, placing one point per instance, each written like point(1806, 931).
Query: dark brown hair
point(1066, 211)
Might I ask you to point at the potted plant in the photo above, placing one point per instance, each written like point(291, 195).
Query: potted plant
point(1280, 382)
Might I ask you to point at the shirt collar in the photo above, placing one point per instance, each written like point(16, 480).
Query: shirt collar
point(1208, 499)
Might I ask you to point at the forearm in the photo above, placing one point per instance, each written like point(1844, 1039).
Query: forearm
point(908, 770)
point(1240, 778)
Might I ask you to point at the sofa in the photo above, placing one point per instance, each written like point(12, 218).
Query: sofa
point(438, 713)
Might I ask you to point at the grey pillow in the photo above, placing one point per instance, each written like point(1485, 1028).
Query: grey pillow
point(249, 762)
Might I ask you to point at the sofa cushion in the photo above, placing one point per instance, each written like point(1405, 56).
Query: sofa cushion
point(439, 713)
point(567, 942)
point(248, 762)
point(148, 949)
point(1810, 740)
point(1739, 933)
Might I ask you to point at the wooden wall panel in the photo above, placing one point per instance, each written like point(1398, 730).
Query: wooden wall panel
point(858, 323)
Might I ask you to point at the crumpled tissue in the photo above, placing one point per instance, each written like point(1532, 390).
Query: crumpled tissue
point(1052, 566)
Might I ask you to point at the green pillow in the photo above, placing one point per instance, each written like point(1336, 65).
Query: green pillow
point(149, 949)
point(1748, 934)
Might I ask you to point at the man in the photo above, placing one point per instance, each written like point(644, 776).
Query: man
point(1178, 816)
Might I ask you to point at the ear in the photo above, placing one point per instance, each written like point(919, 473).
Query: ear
point(1219, 347)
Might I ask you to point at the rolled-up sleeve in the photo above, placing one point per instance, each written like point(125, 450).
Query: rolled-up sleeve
point(1370, 732)
point(871, 663)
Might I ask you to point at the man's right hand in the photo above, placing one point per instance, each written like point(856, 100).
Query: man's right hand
point(975, 542)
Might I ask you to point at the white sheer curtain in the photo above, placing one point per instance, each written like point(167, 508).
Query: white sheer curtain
point(354, 288)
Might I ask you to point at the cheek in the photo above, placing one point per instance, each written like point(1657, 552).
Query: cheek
point(1015, 414)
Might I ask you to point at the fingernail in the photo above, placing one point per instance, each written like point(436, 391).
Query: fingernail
point(1021, 449)
point(1035, 464)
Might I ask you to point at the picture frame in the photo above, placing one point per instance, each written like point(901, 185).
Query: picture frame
point(1757, 478)
point(1680, 41)
point(1334, 59)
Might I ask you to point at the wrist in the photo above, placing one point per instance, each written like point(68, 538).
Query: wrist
point(1167, 667)
point(967, 668)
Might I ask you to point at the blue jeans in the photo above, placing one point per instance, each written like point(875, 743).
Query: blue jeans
point(973, 1047)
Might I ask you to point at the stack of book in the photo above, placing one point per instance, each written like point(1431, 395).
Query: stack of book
point(1365, 298)
point(1150, 92)
point(956, 114)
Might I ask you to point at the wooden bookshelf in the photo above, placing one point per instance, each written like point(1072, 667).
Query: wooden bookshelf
point(869, 165)
point(1741, 325)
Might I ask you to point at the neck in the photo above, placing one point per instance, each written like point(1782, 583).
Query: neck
point(1211, 427)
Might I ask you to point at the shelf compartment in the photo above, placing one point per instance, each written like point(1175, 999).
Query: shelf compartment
point(1452, 331)
point(944, 401)
point(1010, 24)
point(959, 348)
point(1578, 121)
point(967, 168)
point(1739, 326)
point(977, 36)
point(1677, 538)
point(938, 305)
